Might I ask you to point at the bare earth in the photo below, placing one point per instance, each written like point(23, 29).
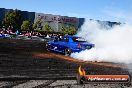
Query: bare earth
point(27, 64)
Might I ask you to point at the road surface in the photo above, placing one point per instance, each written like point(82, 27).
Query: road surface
point(27, 64)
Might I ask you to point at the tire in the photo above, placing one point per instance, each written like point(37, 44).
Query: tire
point(67, 52)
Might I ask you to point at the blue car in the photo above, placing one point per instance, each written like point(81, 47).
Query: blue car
point(5, 36)
point(68, 45)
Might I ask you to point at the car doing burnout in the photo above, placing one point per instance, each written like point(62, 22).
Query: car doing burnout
point(68, 44)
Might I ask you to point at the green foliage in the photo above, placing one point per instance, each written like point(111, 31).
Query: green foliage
point(37, 24)
point(68, 30)
point(25, 26)
point(13, 18)
point(72, 30)
point(34, 26)
point(47, 28)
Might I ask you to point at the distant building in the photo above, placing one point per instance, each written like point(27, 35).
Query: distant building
point(28, 15)
point(56, 22)
point(2, 15)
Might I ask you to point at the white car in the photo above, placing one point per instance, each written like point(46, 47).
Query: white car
point(37, 38)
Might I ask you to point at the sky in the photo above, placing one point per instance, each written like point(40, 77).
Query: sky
point(105, 10)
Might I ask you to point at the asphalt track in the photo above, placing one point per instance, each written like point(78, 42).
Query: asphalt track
point(27, 64)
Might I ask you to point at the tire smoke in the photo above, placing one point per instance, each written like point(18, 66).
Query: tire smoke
point(111, 45)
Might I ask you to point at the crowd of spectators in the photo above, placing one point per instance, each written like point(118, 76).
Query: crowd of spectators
point(8, 31)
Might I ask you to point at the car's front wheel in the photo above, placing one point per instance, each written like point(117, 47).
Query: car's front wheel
point(67, 52)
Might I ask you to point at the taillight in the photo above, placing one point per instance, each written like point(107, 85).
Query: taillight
point(79, 45)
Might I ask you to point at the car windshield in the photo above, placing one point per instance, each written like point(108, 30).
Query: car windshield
point(78, 39)
point(64, 39)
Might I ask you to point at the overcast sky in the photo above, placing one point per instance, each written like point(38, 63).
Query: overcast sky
point(112, 10)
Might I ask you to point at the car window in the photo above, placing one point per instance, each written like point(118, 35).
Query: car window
point(78, 39)
point(65, 39)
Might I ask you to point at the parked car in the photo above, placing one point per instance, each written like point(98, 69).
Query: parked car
point(22, 37)
point(1, 36)
point(5, 36)
point(68, 44)
point(46, 38)
point(26, 38)
point(36, 38)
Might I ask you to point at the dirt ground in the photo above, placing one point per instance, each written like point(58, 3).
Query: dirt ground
point(27, 64)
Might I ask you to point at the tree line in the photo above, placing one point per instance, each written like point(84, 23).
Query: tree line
point(13, 20)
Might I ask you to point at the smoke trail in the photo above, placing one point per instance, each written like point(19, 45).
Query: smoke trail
point(113, 45)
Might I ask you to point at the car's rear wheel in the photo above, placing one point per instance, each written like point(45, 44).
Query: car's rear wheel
point(67, 52)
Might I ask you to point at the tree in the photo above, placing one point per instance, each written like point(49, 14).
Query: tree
point(38, 24)
point(34, 26)
point(47, 28)
point(25, 25)
point(13, 18)
point(68, 30)
point(72, 30)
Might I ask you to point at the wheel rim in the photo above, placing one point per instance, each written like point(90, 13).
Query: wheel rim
point(67, 52)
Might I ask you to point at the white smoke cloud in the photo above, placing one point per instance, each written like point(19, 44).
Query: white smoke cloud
point(113, 45)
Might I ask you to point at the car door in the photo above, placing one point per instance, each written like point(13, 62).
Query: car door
point(63, 44)
point(71, 44)
point(55, 46)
